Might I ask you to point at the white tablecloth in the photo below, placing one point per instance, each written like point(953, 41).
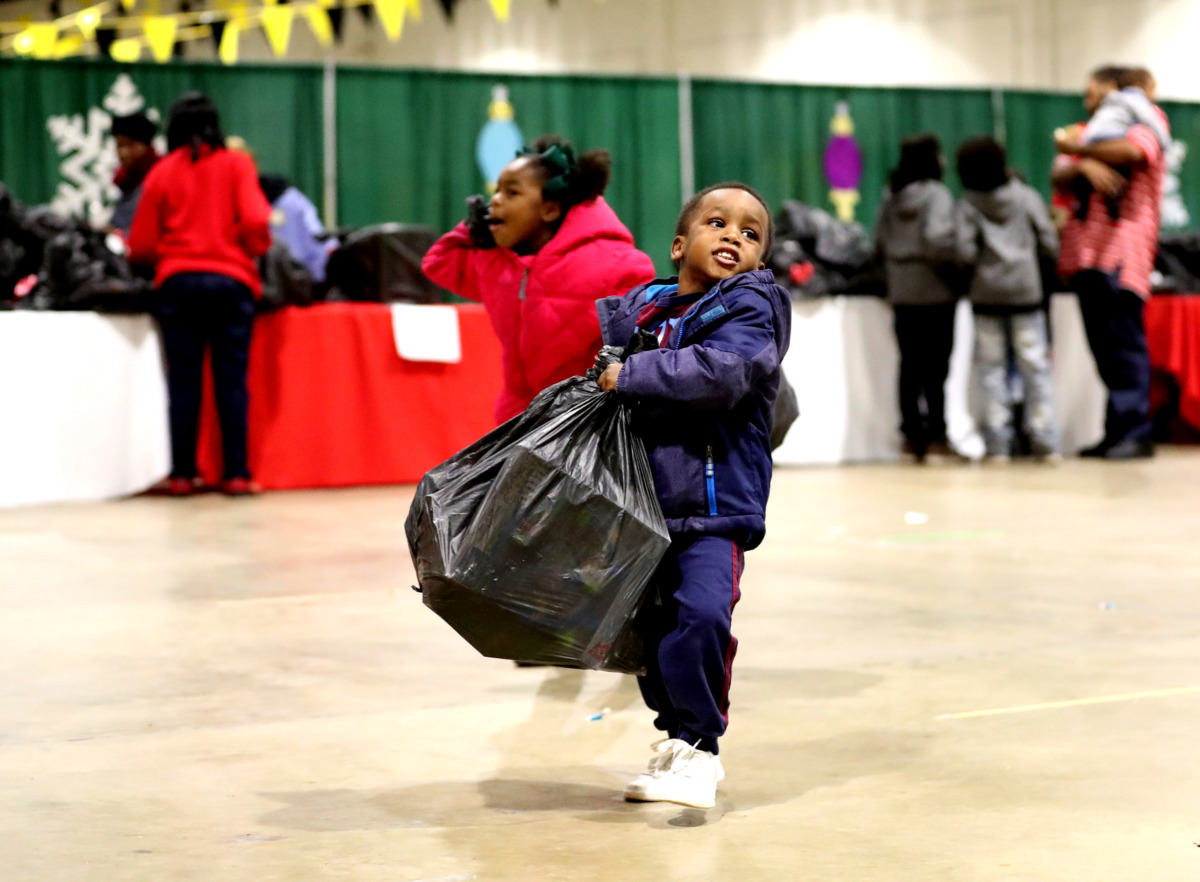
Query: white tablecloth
point(83, 407)
point(83, 403)
point(844, 363)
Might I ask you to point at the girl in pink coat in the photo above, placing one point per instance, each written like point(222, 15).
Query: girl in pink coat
point(546, 250)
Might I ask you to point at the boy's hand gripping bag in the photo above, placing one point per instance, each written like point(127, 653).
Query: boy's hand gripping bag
point(537, 542)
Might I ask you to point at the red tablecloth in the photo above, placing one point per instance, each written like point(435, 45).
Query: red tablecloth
point(332, 403)
point(1173, 337)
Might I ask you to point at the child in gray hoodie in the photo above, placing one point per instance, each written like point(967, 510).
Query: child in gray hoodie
point(915, 244)
point(1002, 228)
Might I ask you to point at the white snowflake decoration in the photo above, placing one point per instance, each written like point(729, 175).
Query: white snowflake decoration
point(1174, 212)
point(87, 189)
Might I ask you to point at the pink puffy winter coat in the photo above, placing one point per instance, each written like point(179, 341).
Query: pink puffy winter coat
point(543, 306)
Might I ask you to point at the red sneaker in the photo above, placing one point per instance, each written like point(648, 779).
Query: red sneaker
point(240, 487)
point(173, 487)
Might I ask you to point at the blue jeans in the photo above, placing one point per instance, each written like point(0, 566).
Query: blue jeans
point(686, 623)
point(1116, 333)
point(199, 311)
point(1025, 333)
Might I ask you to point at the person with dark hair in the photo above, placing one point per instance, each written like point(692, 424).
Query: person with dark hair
point(538, 256)
point(203, 223)
point(915, 242)
point(134, 135)
point(1108, 259)
point(1003, 227)
point(703, 403)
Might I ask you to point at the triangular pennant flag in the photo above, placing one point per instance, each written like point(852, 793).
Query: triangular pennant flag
point(413, 9)
point(335, 21)
point(499, 9)
point(160, 34)
point(37, 40)
point(68, 46)
point(127, 50)
point(277, 22)
point(366, 10)
point(391, 13)
point(228, 50)
point(104, 39)
point(448, 8)
point(216, 30)
point(318, 21)
point(127, 4)
point(86, 21)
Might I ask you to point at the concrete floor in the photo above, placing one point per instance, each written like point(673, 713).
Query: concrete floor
point(214, 689)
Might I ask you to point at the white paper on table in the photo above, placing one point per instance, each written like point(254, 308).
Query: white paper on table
point(426, 333)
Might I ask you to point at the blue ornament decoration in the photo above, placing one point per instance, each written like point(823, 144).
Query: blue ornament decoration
point(499, 140)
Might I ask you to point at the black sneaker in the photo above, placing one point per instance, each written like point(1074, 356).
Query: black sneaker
point(1096, 451)
point(1131, 448)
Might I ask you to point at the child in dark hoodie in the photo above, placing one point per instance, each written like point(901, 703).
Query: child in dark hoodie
point(703, 401)
point(1003, 226)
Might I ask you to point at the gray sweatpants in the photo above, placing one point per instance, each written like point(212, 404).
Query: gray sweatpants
point(1026, 332)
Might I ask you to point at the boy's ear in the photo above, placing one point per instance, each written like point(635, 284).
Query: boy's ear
point(551, 211)
point(677, 248)
point(762, 265)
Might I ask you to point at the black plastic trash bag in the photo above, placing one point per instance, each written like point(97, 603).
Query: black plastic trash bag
point(537, 542)
point(382, 264)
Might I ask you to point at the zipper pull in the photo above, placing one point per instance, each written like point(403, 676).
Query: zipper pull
point(524, 279)
point(708, 469)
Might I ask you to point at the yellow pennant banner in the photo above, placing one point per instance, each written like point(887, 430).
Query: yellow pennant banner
point(391, 13)
point(318, 20)
point(87, 21)
point(500, 9)
point(37, 40)
point(413, 9)
point(128, 4)
point(68, 46)
point(277, 22)
point(127, 50)
point(228, 50)
point(160, 34)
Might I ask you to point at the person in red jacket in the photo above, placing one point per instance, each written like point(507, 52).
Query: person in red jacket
point(202, 222)
point(545, 250)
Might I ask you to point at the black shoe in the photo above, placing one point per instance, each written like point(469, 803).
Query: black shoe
point(1131, 448)
point(1096, 451)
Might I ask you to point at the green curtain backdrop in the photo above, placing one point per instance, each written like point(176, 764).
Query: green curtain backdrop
point(773, 137)
point(406, 143)
point(406, 139)
point(1030, 119)
point(276, 108)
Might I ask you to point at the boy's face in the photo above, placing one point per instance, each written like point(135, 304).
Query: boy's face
point(725, 237)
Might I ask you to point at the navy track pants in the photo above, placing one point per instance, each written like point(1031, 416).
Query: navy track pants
point(686, 624)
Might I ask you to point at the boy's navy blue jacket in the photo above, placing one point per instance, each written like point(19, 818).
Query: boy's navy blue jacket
point(705, 400)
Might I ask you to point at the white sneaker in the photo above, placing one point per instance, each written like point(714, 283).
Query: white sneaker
point(679, 773)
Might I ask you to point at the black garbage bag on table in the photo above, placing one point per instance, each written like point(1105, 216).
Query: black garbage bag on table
point(1178, 263)
point(537, 542)
point(815, 254)
point(285, 280)
point(382, 264)
point(23, 235)
point(80, 272)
